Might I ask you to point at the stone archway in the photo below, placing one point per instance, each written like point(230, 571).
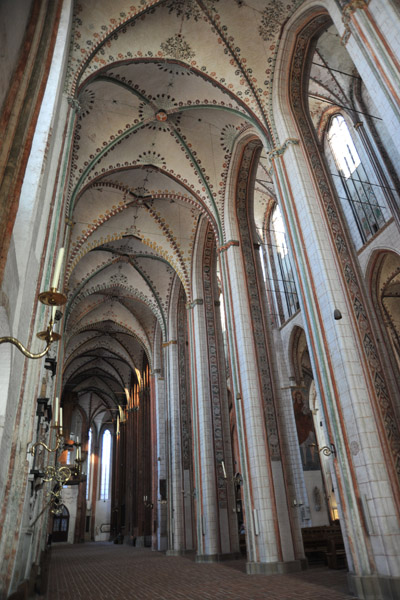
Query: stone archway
point(298, 85)
point(385, 292)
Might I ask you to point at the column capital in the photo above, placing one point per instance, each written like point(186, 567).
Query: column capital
point(169, 343)
point(348, 9)
point(197, 302)
point(278, 151)
point(74, 104)
point(228, 245)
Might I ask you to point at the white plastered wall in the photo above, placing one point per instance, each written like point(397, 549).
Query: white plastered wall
point(25, 314)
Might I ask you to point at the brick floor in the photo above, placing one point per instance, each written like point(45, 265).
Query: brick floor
point(104, 571)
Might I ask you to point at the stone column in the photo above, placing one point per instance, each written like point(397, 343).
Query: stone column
point(350, 377)
point(204, 461)
point(160, 463)
point(175, 476)
point(268, 532)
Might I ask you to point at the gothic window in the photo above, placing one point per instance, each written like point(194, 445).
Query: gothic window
point(349, 128)
point(105, 465)
point(282, 276)
point(362, 201)
point(385, 279)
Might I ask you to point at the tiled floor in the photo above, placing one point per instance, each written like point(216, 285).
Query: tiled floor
point(102, 571)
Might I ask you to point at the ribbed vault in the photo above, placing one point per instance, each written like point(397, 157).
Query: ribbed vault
point(161, 91)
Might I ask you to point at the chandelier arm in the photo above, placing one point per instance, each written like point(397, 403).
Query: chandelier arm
point(21, 347)
point(33, 449)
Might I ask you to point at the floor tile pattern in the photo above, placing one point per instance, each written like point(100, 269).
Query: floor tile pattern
point(104, 571)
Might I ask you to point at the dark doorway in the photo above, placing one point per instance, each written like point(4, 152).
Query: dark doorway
point(60, 526)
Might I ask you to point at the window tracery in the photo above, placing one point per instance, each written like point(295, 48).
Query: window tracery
point(284, 283)
point(363, 203)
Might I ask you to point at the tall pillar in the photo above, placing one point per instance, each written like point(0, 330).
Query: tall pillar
point(216, 522)
point(350, 377)
point(160, 465)
point(268, 532)
point(375, 49)
point(95, 468)
point(185, 422)
point(175, 491)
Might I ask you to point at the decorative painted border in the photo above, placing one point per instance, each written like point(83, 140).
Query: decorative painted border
point(184, 396)
point(214, 364)
point(244, 191)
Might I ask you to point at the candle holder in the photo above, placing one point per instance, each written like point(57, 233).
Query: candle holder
point(59, 443)
point(146, 503)
point(78, 462)
point(238, 479)
point(50, 298)
point(61, 474)
point(326, 450)
point(56, 503)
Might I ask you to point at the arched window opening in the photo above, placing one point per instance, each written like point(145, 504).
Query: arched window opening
point(363, 203)
point(88, 465)
point(321, 506)
point(105, 465)
point(345, 125)
point(385, 278)
point(284, 282)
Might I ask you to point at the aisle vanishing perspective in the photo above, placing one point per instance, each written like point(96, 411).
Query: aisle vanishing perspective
point(199, 299)
point(104, 571)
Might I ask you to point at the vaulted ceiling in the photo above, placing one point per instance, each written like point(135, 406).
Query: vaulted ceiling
point(160, 90)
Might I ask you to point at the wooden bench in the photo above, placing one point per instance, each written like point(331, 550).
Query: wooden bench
point(325, 545)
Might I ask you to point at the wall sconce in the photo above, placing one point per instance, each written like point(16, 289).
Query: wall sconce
point(60, 474)
point(326, 450)
point(78, 459)
point(59, 444)
point(146, 503)
point(56, 503)
point(238, 479)
point(58, 426)
point(44, 410)
point(50, 364)
point(52, 298)
point(77, 470)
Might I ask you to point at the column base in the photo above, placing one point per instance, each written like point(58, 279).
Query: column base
point(210, 558)
point(303, 564)
point(162, 543)
point(273, 568)
point(139, 541)
point(171, 552)
point(374, 587)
